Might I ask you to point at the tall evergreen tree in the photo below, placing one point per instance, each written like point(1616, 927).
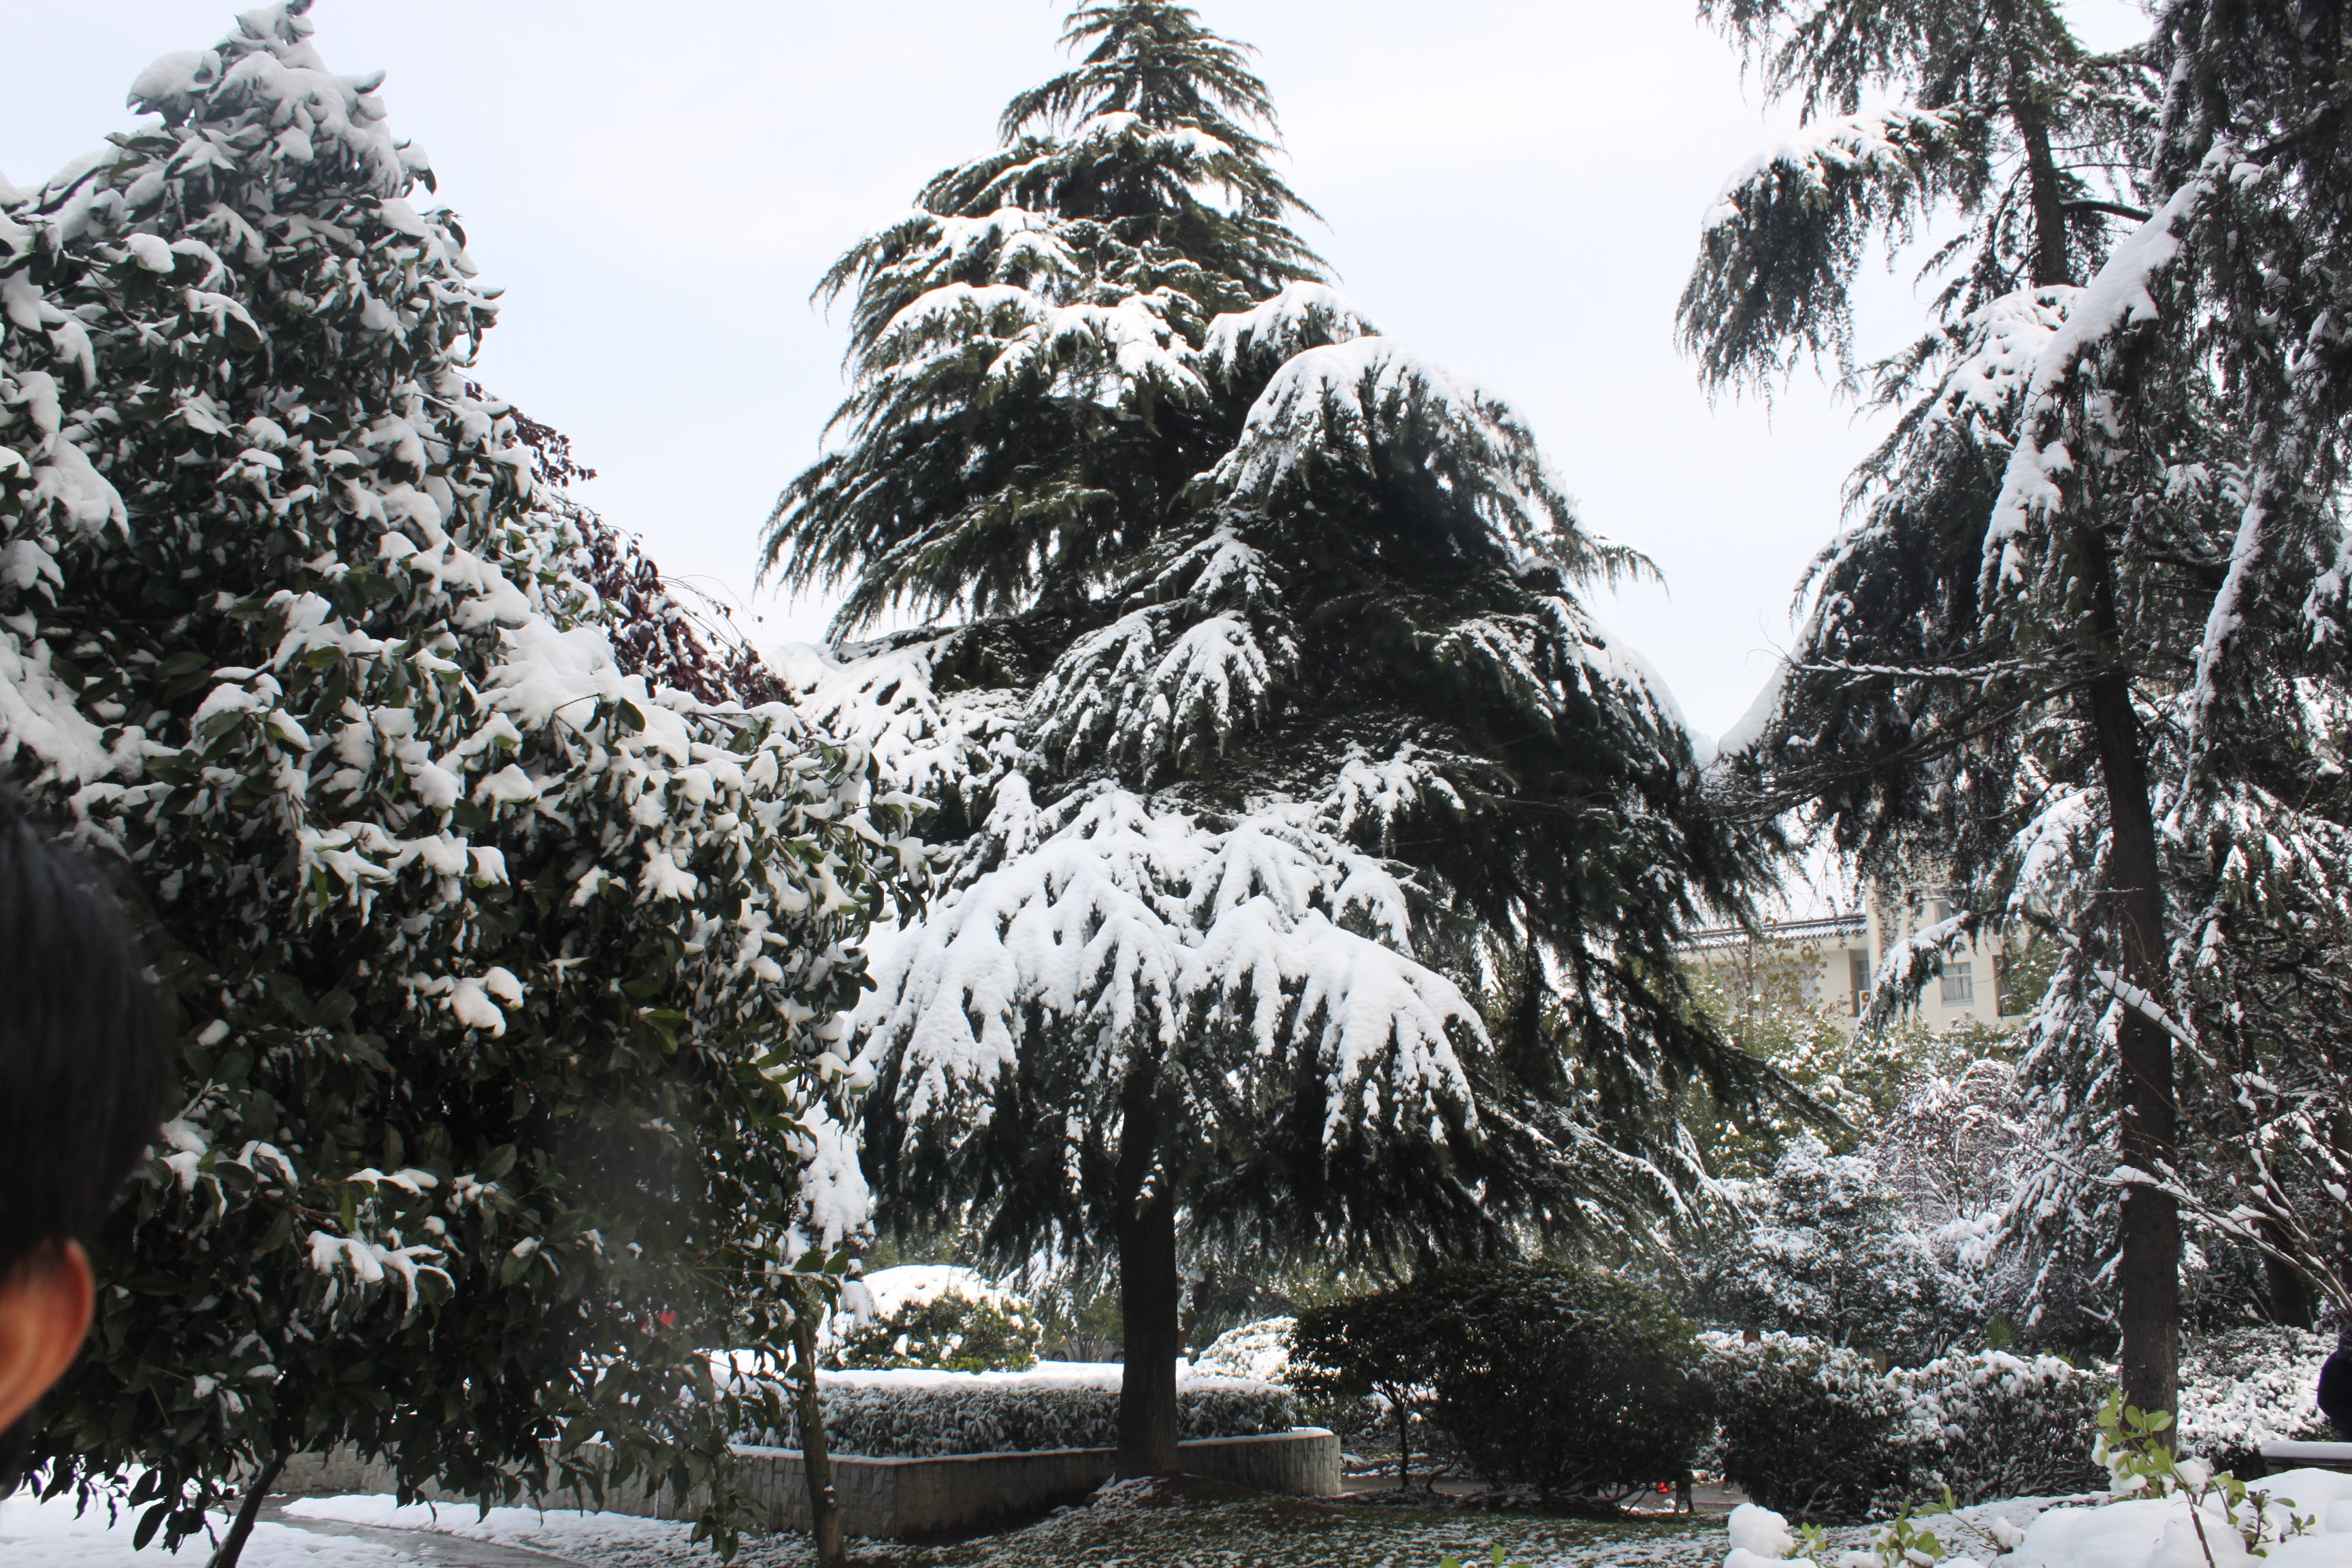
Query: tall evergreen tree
point(1260, 698)
point(2010, 662)
point(508, 973)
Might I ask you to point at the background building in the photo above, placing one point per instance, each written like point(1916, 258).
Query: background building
point(1831, 959)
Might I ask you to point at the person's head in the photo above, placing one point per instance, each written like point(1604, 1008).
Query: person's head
point(83, 1071)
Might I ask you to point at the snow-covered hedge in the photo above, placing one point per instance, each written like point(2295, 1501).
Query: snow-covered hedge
point(1818, 1431)
point(2250, 1386)
point(921, 1415)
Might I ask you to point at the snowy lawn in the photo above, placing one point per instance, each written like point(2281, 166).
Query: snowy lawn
point(1202, 1525)
point(1144, 1524)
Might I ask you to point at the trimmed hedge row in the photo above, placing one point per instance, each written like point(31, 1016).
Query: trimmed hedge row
point(925, 1421)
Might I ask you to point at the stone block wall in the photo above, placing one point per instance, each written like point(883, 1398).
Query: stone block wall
point(902, 1499)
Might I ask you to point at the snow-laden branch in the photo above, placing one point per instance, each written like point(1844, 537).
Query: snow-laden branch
point(1122, 928)
point(1886, 144)
point(2118, 296)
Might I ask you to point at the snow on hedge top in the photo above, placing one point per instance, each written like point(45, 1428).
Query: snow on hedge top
point(1045, 1374)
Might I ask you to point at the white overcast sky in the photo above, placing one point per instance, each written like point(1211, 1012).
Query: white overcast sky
point(1512, 186)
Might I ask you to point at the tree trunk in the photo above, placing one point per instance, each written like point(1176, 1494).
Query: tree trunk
point(2148, 1274)
point(2052, 264)
point(2290, 1293)
point(1405, 1441)
point(1151, 1298)
point(816, 1463)
point(232, 1545)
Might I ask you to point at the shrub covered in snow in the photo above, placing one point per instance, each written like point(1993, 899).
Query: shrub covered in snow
point(1807, 1428)
point(941, 1318)
point(2250, 1386)
point(1819, 1433)
point(1826, 1250)
point(1992, 1425)
point(509, 977)
point(1260, 1351)
point(913, 1414)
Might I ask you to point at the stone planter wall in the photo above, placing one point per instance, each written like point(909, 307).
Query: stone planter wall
point(904, 1500)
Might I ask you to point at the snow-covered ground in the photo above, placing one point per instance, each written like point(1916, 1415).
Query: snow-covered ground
point(49, 1535)
point(2311, 1508)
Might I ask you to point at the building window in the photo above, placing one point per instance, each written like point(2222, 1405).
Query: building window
point(1960, 985)
point(1858, 973)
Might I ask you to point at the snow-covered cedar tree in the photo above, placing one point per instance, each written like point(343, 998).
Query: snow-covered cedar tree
point(1826, 1249)
point(2239, 280)
point(2081, 638)
point(944, 1319)
point(509, 981)
point(1256, 688)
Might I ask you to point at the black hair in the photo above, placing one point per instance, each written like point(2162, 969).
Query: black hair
point(84, 1054)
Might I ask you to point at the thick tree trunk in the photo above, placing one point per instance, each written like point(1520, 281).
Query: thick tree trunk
point(816, 1461)
point(2148, 1274)
point(1151, 1298)
point(232, 1545)
point(2050, 262)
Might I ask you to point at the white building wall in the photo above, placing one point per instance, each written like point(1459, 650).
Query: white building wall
point(1847, 950)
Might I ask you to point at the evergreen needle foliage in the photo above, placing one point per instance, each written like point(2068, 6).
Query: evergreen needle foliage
point(1258, 693)
point(2080, 647)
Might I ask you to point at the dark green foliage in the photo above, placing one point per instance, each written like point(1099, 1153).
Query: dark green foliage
point(1383, 1346)
point(1570, 1380)
point(1808, 1429)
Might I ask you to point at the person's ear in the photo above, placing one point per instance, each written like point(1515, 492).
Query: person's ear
point(45, 1307)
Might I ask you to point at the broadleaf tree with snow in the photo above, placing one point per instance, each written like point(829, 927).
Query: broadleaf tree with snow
point(2078, 649)
point(509, 977)
point(1254, 681)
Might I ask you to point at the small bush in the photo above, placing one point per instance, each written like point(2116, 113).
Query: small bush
point(918, 1420)
point(948, 1332)
point(1260, 1351)
point(1366, 1363)
point(1808, 1429)
point(1817, 1432)
point(1576, 1383)
point(1996, 1425)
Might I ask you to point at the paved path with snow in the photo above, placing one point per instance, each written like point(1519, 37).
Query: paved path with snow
point(427, 1547)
